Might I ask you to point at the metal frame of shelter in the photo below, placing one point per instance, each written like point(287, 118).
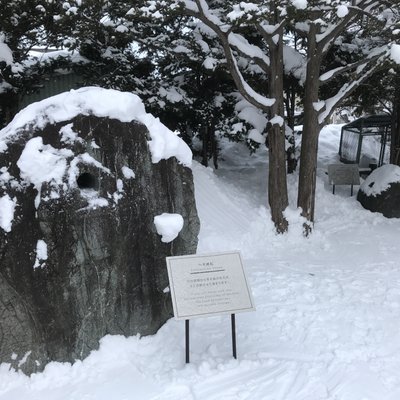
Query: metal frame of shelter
point(353, 136)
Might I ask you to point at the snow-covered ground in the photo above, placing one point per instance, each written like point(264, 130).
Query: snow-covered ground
point(328, 308)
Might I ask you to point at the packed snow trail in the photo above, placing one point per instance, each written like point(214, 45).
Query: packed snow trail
point(327, 319)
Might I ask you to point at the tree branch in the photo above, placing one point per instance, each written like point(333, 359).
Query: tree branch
point(330, 104)
point(222, 32)
point(327, 38)
point(244, 48)
point(330, 75)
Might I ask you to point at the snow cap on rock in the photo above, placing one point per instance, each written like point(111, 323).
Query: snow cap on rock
point(380, 179)
point(123, 106)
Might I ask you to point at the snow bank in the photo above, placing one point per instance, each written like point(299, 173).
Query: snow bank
point(380, 179)
point(124, 106)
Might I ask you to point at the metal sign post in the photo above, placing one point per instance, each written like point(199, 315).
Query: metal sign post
point(187, 339)
point(233, 324)
point(187, 348)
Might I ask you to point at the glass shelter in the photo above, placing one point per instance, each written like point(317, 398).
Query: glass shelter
point(366, 141)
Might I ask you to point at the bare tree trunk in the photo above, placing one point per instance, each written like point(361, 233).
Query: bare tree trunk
point(395, 131)
point(210, 145)
point(277, 185)
point(290, 105)
point(205, 137)
point(311, 129)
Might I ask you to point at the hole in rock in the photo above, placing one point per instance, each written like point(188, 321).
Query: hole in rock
point(87, 181)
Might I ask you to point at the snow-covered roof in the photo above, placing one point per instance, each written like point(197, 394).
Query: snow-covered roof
point(370, 121)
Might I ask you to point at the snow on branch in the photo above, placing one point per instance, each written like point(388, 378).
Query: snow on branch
point(330, 75)
point(244, 88)
point(268, 31)
point(326, 38)
point(294, 63)
point(249, 50)
point(5, 52)
point(364, 71)
point(237, 42)
point(204, 10)
point(190, 5)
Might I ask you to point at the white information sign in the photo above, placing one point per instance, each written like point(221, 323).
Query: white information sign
point(204, 285)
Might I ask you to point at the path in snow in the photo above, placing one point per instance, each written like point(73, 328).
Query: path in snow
point(331, 302)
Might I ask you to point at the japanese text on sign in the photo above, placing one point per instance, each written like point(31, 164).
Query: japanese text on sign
point(208, 284)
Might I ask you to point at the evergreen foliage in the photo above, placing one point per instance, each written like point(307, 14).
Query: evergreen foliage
point(214, 67)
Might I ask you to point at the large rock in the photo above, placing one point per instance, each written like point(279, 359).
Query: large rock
point(80, 255)
point(380, 192)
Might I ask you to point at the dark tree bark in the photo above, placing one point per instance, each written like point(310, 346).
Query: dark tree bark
point(311, 129)
point(395, 131)
point(8, 107)
point(210, 145)
point(290, 105)
point(277, 184)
